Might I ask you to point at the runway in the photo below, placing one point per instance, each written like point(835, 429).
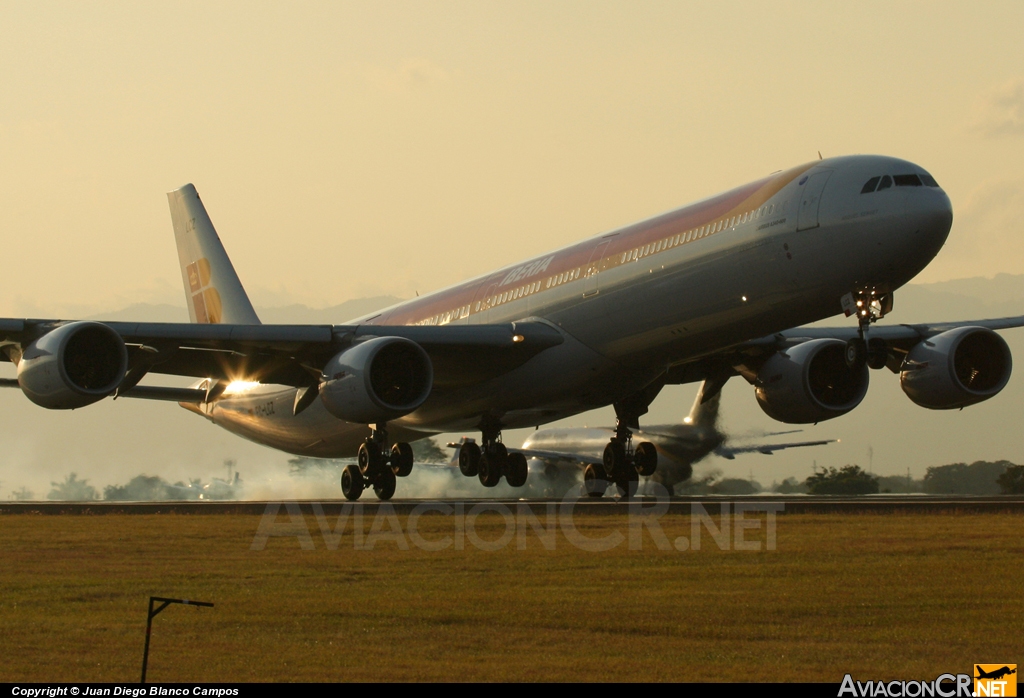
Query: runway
point(791, 504)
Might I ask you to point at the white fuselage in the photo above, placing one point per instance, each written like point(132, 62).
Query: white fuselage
point(762, 258)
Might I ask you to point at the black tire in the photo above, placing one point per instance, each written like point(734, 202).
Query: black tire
point(369, 458)
point(469, 459)
point(595, 482)
point(877, 353)
point(645, 458)
point(856, 353)
point(517, 471)
point(614, 457)
point(384, 486)
point(628, 483)
point(492, 467)
point(352, 483)
point(401, 459)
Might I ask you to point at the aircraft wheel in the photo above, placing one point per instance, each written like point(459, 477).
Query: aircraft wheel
point(614, 457)
point(645, 458)
point(594, 481)
point(469, 459)
point(517, 470)
point(856, 352)
point(401, 459)
point(352, 482)
point(385, 485)
point(628, 483)
point(489, 469)
point(369, 458)
point(877, 353)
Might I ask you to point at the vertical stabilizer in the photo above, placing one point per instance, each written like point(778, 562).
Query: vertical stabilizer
point(212, 289)
point(704, 412)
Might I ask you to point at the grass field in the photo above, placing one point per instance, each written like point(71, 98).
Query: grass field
point(896, 596)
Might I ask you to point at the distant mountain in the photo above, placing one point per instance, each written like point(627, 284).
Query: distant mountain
point(286, 315)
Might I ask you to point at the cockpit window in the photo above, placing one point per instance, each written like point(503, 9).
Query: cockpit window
point(870, 186)
point(886, 183)
point(910, 180)
point(928, 180)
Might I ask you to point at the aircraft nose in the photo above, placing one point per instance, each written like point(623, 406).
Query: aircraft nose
point(929, 213)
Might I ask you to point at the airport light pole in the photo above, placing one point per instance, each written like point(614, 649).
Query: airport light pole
point(164, 603)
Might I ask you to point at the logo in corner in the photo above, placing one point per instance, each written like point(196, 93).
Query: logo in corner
point(995, 680)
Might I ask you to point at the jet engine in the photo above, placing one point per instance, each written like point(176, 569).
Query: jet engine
point(73, 366)
point(377, 380)
point(956, 368)
point(810, 383)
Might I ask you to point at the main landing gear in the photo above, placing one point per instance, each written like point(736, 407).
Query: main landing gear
point(622, 464)
point(492, 460)
point(377, 466)
point(869, 305)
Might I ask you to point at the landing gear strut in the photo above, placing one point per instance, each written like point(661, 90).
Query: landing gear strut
point(378, 467)
point(869, 305)
point(492, 460)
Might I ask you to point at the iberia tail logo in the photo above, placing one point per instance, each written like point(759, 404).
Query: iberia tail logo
point(205, 298)
point(995, 680)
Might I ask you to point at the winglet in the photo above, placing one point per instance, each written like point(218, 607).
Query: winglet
point(212, 289)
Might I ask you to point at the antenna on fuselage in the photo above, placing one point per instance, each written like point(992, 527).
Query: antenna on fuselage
point(819, 156)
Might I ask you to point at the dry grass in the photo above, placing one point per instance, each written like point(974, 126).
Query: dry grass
point(879, 596)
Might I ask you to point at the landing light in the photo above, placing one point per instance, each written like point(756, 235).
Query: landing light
point(518, 338)
point(240, 386)
point(743, 298)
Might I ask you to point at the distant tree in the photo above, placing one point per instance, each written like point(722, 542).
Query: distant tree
point(849, 479)
point(141, 488)
point(1012, 481)
point(789, 486)
point(979, 477)
point(23, 495)
point(429, 451)
point(72, 489)
point(735, 485)
point(899, 484)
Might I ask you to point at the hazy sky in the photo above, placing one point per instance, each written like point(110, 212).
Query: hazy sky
point(355, 149)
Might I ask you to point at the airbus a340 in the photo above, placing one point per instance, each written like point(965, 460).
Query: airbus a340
point(704, 292)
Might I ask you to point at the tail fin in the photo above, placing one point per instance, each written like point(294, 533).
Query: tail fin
point(704, 412)
point(212, 289)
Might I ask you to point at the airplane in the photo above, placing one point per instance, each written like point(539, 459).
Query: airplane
point(994, 674)
point(714, 289)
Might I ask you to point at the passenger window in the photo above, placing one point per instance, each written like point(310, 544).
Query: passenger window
point(870, 185)
point(886, 183)
point(909, 180)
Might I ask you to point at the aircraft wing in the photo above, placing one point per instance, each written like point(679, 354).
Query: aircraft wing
point(733, 361)
point(730, 452)
point(558, 456)
point(294, 354)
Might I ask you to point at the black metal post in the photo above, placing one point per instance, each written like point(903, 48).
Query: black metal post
point(164, 603)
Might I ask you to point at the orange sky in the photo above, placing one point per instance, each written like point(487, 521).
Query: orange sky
point(346, 150)
point(354, 149)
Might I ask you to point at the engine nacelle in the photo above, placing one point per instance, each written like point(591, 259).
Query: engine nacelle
point(73, 366)
point(956, 368)
point(810, 383)
point(377, 380)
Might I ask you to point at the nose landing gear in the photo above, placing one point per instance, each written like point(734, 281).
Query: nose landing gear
point(869, 305)
point(376, 466)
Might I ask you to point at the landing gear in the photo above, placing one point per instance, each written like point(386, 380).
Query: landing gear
point(492, 460)
point(375, 469)
point(622, 463)
point(869, 305)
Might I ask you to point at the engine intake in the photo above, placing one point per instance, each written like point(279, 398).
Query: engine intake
point(377, 380)
point(73, 366)
point(956, 368)
point(810, 383)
